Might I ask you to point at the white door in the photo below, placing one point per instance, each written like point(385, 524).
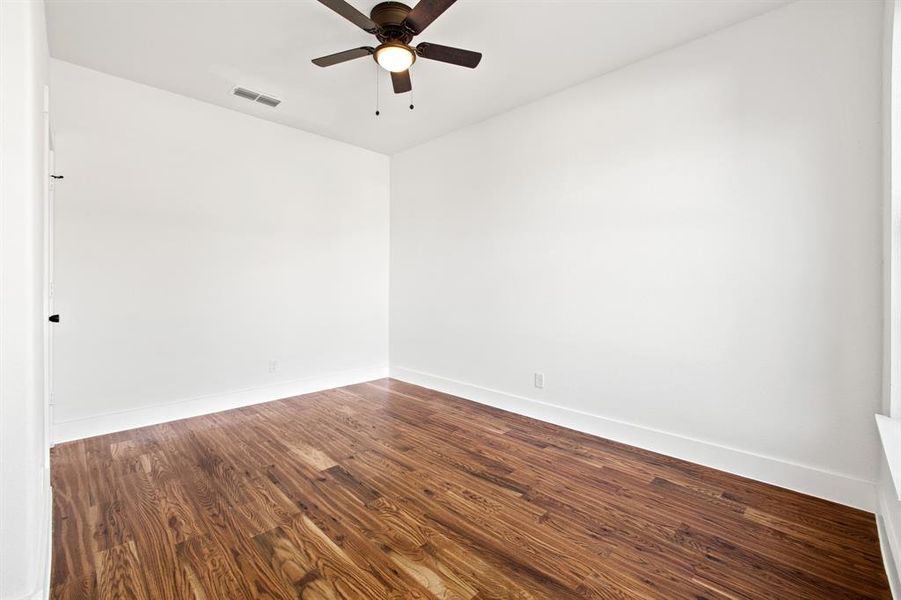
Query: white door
point(49, 191)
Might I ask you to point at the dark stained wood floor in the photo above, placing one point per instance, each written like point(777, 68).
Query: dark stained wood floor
point(388, 490)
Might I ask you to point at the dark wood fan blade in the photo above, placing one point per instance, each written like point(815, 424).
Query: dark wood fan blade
point(351, 14)
point(424, 13)
point(401, 82)
point(340, 57)
point(454, 56)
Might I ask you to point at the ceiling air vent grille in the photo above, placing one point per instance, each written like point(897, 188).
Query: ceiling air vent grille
point(268, 100)
point(256, 96)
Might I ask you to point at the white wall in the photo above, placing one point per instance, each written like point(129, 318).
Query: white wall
point(690, 245)
point(194, 245)
point(24, 492)
point(889, 505)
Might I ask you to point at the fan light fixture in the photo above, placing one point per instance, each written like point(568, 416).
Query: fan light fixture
point(395, 25)
point(395, 57)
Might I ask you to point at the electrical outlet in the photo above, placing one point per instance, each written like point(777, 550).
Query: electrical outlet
point(273, 366)
point(539, 380)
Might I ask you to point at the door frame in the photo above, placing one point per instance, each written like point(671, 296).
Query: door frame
point(49, 191)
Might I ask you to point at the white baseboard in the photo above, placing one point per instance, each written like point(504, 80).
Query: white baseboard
point(806, 479)
point(35, 595)
point(47, 566)
point(38, 594)
point(45, 537)
point(889, 540)
point(76, 429)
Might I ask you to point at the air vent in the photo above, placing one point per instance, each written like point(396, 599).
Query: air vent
point(256, 96)
point(245, 93)
point(268, 100)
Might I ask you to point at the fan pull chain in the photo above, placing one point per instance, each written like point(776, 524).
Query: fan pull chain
point(377, 111)
point(411, 99)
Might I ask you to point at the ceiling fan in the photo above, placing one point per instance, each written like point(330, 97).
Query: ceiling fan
point(395, 25)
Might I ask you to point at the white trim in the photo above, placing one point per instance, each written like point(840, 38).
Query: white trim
point(806, 479)
point(44, 571)
point(885, 545)
point(76, 429)
point(890, 434)
point(890, 544)
point(35, 595)
point(46, 537)
point(892, 214)
point(47, 267)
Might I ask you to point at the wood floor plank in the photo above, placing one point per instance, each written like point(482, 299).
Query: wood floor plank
point(339, 573)
point(76, 517)
point(208, 571)
point(119, 574)
point(389, 490)
point(84, 588)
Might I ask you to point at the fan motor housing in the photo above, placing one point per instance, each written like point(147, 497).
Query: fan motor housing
point(390, 18)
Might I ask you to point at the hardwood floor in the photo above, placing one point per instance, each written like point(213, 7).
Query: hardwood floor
point(388, 490)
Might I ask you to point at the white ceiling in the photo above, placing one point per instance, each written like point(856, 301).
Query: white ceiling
point(532, 48)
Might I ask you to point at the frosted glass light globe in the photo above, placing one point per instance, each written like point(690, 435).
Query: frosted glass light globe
point(394, 57)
